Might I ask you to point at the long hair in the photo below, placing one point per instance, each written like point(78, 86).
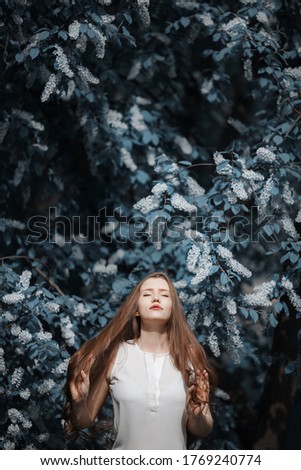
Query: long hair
point(185, 350)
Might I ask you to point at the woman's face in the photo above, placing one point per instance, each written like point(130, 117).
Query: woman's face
point(154, 303)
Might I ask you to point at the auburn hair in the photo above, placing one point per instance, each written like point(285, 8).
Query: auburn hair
point(186, 352)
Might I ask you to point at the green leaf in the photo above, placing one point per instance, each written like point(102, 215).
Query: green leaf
point(147, 137)
point(254, 315)
point(224, 278)
point(278, 139)
point(185, 21)
point(278, 306)
point(272, 319)
point(63, 35)
point(19, 57)
point(34, 52)
point(43, 35)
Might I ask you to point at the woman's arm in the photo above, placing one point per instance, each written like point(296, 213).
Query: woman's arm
point(85, 410)
point(87, 399)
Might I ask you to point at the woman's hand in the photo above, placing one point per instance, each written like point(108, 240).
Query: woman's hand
point(198, 392)
point(80, 389)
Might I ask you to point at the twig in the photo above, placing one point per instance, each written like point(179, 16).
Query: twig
point(38, 270)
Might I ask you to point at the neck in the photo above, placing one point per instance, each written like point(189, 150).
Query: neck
point(153, 341)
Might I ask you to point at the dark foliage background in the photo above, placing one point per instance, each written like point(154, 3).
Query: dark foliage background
point(143, 135)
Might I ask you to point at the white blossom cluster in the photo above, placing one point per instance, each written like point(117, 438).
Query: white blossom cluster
point(192, 258)
point(239, 189)
point(206, 86)
point(67, 332)
point(137, 120)
point(99, 41)
point(127, 160)
point(226, 169)
point(12, 223)
point(193, 188)
point(61, 368)
point(62, 61)
point(159, 189)
point(213, 344)
point(237, 267)
point(19, 172)
point(24, 336)
point(195, 303)
point(87, 76)
point(252, 175)
point(9, 445)
point(288, 226)
point(199, 262)
point(25, 394)
point(294, 72)
point(2, 362)
point(77, 252)
point(107, 19)
point(261, 294)
point(230, 305)
point(44, 336)
point(234, 342)
point(50, 87)
point(13, 429)
point(17, 417)
point(53, 307)
point(29, 119)
point(17, 377)
point(80, 310)
point(46, 386)
point(25, 279)
point(74, 29)
point(14, 298)
point(142, 9)
point(179, 202)
point(100, 267)
point(292, 295)
point(8, 317)
point(147, 204)
point(248, 70)
point(298, 217)
point(184, 145)
point(180, 284)
point(59, 239)
point(206, 19)
point(114, 119)
point(231, 27)
point(44, 437)
point(266, 193)
point(265, 155)
point(288, 194)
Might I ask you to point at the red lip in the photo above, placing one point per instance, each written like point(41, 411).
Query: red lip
point(156, 307)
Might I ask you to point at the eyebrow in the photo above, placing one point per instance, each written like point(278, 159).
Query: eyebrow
point(166, 290)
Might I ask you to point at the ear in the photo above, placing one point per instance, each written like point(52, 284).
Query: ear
point(137, 314)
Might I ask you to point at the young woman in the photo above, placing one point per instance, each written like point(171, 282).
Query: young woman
point(151, 363)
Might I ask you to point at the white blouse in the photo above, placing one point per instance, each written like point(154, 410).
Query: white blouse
point(149, 396)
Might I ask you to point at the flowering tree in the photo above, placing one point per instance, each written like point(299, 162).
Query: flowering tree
point(139, 136)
